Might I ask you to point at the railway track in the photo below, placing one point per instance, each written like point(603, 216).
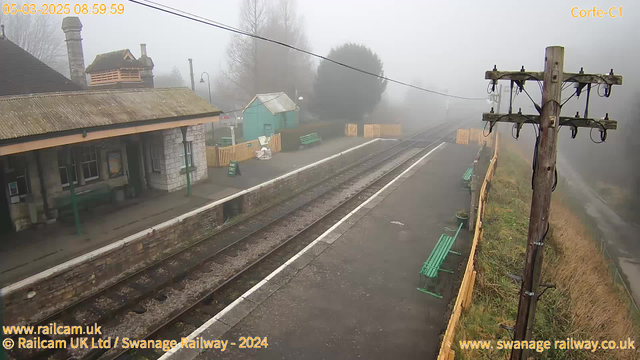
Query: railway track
point(169, 299)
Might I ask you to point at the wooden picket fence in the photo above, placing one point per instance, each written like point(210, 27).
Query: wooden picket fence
point(463, 300)
point(221, 156)
point(382, 130)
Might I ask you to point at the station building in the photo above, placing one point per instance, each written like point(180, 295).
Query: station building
point(63, 143)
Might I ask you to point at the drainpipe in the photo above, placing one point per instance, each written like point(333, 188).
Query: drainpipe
point(186, 158)
point(72, 192)
point(43, 188)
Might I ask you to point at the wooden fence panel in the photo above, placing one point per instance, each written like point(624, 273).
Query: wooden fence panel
point(275, 143)
point(212, 156)
point(462, 137)
point(217, 157)
point(368, 131)
point(382, 130)
point(391, 130)
point(351, 130)
point(376, 130)
point(475, 135)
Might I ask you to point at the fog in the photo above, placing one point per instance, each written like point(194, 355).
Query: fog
point(444, 46)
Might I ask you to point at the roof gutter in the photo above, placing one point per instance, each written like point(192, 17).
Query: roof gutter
point(43, 141)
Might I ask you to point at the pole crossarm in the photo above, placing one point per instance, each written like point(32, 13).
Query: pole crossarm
point(564, 120)
point(606, 79)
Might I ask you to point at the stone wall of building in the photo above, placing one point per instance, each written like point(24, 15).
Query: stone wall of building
point(174, 163)
point(171, 175)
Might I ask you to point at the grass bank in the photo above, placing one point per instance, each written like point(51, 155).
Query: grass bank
point(587, 304)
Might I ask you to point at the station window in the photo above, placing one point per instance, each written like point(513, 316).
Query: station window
point(64, 171)
point(16, 177)
point(89, 162)
point(156, 158)
point(189, 155)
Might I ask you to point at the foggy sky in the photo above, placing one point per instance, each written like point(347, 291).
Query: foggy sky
point(444, 44)
point(441, 44)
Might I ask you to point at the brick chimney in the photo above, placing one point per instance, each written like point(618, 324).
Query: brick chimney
point(147, 72)
point(72, 28)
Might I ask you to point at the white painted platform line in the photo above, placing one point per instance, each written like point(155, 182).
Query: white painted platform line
point(243, 297)
point(141, 234)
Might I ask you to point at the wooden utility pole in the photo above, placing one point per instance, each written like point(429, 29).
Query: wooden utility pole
point(544, 177)
point(543, 180)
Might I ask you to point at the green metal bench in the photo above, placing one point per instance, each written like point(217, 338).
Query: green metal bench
point(309, 139)
point(433, 265)
point(466, 177)
point(84, 199)
point(225, 141)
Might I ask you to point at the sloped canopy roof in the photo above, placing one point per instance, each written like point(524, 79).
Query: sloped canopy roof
point(22, 73)
point(114, 60)
point(275, 102)
point(50, 113)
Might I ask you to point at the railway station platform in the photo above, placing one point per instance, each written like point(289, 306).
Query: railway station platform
point(31, 251)
point(352, 292)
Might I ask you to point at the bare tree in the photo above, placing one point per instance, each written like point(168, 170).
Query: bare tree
point(39, 35)
point(243, 60)
point(255, 66)
point(293, 69)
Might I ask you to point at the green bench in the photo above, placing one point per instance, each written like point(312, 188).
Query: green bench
point(433, 265)
point(225, 141)
point(466, 177)
point(309, 139)
point(84, 199)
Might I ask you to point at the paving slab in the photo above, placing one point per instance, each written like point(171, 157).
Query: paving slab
point(358, 298)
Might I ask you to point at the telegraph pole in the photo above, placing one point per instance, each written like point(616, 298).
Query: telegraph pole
point(543, 181)
point(544, 177)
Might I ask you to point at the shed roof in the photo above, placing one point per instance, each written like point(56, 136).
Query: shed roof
point(275, 102)
point(114, 60)
point(22, 73)
point(47, 113)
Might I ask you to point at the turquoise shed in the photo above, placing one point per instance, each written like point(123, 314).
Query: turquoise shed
point(266, 114)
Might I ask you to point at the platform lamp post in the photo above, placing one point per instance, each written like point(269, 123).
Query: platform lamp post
point(208, 83)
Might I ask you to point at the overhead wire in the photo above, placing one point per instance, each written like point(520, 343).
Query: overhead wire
point(193, 17)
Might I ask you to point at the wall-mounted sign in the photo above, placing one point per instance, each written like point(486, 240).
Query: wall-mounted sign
point(114, 162)
point(13, 188)
point(234, 169)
